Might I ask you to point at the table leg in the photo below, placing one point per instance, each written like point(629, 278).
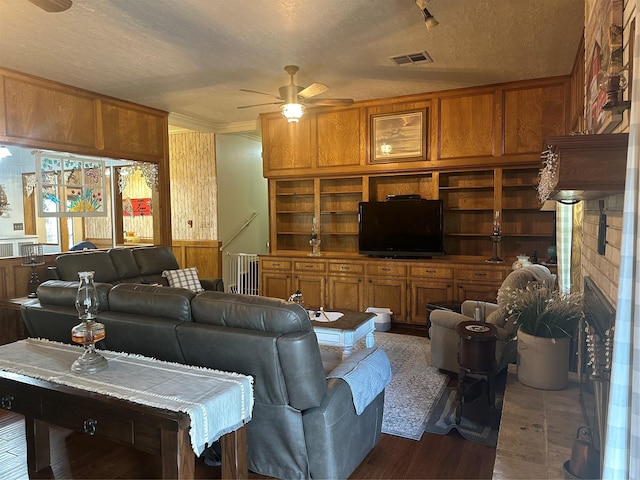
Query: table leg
point(38, 447)
point(369, 339)
point(459, 394)
point(178, 459)
point(234, 454)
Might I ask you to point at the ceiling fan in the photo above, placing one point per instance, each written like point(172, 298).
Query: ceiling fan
point(294, 98)
point(53, 5)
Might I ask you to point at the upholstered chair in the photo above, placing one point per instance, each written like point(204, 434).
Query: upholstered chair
point(444, 323)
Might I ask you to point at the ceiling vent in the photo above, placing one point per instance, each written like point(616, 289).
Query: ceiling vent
point(420, 57)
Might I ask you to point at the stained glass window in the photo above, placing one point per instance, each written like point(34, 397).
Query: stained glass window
point(70, 186)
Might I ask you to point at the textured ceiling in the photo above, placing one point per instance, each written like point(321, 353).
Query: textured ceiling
point(190, 57)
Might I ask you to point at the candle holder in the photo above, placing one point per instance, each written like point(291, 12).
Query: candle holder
point(88, 331)
point(495, 239)
point(315, 241)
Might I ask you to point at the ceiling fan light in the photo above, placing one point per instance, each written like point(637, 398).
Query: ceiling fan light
point(292, 111)
point(429, 20)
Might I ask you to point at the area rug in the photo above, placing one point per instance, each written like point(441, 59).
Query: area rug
point(415, 385)
point(476, 424)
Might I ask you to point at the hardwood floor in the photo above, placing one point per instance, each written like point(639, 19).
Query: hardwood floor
point(75, 455)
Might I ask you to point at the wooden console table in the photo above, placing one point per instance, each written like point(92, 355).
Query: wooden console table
point(150, 429)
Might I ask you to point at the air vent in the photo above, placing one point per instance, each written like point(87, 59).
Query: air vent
point(420, 57)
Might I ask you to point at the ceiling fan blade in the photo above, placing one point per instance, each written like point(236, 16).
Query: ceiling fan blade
point(261, 104)
point(53, 5)
point(329, 102)
point(313, 90)
point(261, 93)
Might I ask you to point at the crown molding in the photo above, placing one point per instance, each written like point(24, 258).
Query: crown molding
point(179, 123)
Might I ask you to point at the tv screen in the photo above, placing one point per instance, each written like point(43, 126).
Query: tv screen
point(401, 228)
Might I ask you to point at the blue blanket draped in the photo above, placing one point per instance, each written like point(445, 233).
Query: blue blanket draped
point(367, 372)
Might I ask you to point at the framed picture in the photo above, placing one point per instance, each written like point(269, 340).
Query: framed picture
point(399, 136)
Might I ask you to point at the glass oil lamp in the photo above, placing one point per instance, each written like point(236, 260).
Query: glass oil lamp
point(88, 331)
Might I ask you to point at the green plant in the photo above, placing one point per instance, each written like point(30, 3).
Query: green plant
point(542, 311)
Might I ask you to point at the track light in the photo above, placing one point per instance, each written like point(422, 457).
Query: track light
point(429, 20)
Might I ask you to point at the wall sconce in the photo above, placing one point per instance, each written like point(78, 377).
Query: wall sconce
point(5, 152)
point(429, 20)
point(613, 84)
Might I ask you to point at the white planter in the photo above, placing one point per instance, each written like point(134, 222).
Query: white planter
point(543, 362)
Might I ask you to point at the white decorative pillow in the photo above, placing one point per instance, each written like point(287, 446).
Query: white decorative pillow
point(185, 278)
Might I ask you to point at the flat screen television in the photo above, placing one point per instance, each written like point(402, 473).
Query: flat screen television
point(401, 228)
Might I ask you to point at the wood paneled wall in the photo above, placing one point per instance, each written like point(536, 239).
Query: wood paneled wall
point(194, 202)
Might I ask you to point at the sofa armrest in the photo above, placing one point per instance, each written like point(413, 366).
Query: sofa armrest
point(212, 284)
point(447, 319)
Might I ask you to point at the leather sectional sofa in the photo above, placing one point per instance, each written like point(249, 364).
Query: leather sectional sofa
point(123, 265)
point(304, 425)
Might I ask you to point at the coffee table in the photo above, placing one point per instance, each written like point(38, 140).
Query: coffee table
point(346, 331)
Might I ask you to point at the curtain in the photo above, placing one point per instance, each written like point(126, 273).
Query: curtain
point(564, 233)
point(622, 440)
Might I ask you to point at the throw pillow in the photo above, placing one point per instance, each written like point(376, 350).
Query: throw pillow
point(184, 278)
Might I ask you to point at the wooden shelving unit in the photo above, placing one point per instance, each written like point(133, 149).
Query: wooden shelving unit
point(339, 198)
point(294, 212)
point(469, 205)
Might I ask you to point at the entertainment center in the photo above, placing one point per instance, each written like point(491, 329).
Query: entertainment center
point(481, 167)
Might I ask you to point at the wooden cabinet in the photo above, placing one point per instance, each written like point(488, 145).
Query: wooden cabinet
point(346, 285)
point(349, 282)
point(54, 116)
point(428, 284)
point(275, 278)
point(386, 287)
point(309, 278)
point(478, 282)
point(285, 146)
point(339, 137)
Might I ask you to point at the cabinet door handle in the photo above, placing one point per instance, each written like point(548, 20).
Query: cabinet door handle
point(7, 402)
point(478, 274)
point(276, 265)
point(430, 271)
point(385, 269)
point(89, 426)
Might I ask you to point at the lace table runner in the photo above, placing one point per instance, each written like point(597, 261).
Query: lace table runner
point(217, 402)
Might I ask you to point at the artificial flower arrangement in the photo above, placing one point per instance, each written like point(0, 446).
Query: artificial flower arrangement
point(542, 311)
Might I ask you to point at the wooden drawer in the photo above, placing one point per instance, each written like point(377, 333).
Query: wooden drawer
point(480, 274)
point(276, 264)
point(19, 400)
point(309, 267)
point(431, 271)
point(386, 269)
point(79, 419)
point(350, 268)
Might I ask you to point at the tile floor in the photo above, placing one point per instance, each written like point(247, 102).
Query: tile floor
point(537, 430)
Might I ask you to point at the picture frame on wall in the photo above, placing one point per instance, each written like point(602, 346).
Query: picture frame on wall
point(399, 136)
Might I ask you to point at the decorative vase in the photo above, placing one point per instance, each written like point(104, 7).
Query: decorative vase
point(88, 331)
point(543, 362)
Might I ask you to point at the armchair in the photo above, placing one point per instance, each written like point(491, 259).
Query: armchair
point(444, 337)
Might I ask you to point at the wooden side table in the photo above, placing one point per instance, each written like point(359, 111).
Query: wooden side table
point(477, 355)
